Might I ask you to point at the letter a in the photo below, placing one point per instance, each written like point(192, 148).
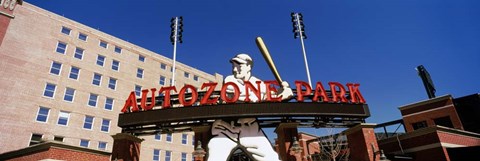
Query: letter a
point(130, 102)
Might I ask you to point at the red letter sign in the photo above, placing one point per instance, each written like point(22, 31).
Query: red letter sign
point(271, 88)
point(320, 92)
point(130, 102)
point(181, 96)
point(336, 95)
point(205, 99)
point(166, 100)
point(236, 93)
point(354, 93)
point(143, 103)
point(300, 94)
point(256, 91)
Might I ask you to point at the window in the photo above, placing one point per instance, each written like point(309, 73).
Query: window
point(187, 75)
point(78, 53)
point(158, 136)
point(84, 143)
point(138, 90)
point(163, 66)
point(61, 47)
point(115, 65)
point(141, 58)
point(35, 139)
point(162, 80)
point(42, 115)
point(63, 117)
point(184, 156)
point(419, 125)
point(168, 155)
point(109, 103)
point(69, 94)
point(118, 49)
point(103, 44)
point(66, 30)
point(49, 90)
point(169, 137)
point(156, 155)
point(139, 73)
point(97, 79)
point(92, 100)
point(112, 83)
point(100, 60)
point(105, 125)
point(102, 145)
point(74, 72)
point(184, 139)
point(58, 138)
point(193, 141)
point(82, 36)
point(56, 68)
point(444, 121)
point(88, 122)
point(195, 78)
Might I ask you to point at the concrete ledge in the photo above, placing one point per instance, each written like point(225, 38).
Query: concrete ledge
point(428, 130)
point(124, 136)
point(359, 127)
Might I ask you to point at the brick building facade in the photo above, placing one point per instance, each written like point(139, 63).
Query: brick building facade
point(438, 129)
point(67, 82)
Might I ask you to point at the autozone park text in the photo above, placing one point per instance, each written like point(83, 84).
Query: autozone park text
point(337, 94)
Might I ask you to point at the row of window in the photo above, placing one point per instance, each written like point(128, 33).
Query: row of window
point(62, 47)
point(84, 37)
point(70, 95)
point(64, 117)
point(168, 155)
point(441, 121)
point(75, 72)
point(169, 138)
point(37, 138)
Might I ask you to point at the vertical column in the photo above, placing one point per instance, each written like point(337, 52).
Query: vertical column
point(126, 147)
point(6, 14)
point(362, 143)
point(285, 133)
point(202, 134)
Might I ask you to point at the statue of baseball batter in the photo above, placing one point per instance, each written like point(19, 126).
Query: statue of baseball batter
point(245, 133)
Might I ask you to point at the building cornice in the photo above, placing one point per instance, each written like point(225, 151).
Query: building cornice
point(424, 102)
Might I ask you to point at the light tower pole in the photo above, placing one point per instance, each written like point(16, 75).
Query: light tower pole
point(175, 36)
point(299, 31)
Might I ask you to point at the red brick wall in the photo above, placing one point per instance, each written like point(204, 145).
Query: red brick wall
point(310, 148)
point(420, 108)
point(431, 115)
point(285, 135)
point(458, 139)
point(63, 154)
point(360, 142)
point(433, 138)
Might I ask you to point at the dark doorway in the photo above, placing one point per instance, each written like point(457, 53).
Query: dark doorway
point(240, 155)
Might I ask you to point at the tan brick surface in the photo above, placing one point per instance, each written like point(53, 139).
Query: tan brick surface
point(26, 54)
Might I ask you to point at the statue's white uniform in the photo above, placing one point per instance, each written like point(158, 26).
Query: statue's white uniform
point(227, 136)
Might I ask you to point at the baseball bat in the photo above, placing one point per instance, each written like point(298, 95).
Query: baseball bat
point(266, 55)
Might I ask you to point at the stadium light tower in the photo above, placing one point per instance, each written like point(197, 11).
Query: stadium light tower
point(299, 31)
point(175, 36)
point(427, 81)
